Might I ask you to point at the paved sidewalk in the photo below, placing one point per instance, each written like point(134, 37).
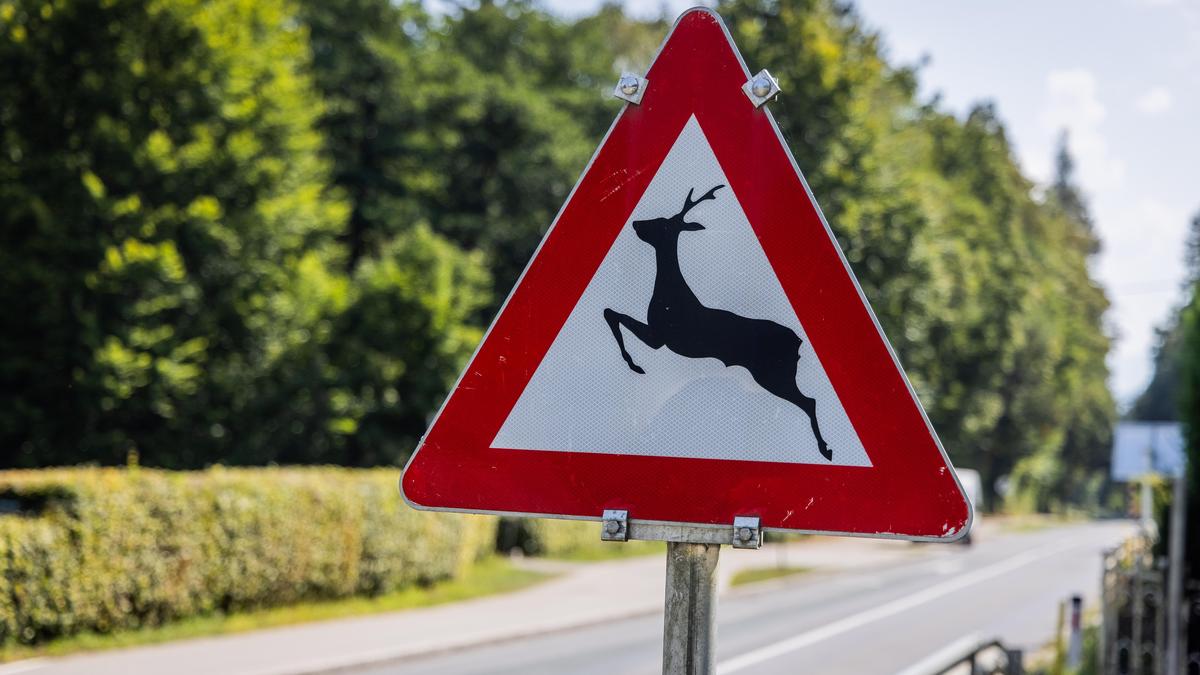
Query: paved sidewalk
point(584, 594)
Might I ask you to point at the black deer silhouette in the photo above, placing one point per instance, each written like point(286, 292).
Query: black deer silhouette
point(676, 318)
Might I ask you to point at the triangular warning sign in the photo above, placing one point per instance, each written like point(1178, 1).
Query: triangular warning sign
point(688, 343)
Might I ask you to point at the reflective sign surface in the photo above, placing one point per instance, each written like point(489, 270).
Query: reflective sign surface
point(692, 397)
point(688, 343)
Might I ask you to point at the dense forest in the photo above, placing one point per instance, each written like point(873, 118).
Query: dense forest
point(272, 231)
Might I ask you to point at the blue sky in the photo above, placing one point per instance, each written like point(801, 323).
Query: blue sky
point(1122, 76)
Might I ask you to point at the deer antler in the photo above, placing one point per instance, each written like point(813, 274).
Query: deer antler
point(689, 203)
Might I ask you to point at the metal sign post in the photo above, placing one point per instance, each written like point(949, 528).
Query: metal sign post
point(690, 619)
point(690, 610)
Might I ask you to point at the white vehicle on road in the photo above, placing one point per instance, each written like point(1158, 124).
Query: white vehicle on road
point(972, 485)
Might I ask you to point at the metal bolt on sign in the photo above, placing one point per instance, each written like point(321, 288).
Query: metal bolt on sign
point(631, 87)
point(616, 525)
point(761, 88)
point(747, 532)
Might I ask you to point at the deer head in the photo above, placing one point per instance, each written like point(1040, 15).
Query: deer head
point(659, 231)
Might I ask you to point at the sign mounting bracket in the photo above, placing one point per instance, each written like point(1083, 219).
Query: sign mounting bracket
point(746, 531)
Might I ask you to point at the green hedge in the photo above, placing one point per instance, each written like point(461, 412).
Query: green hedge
point(570, 539)
point(107, 549)
point(562, 538)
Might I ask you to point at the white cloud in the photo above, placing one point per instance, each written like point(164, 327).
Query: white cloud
point(1155, 101)
point(1074, 104)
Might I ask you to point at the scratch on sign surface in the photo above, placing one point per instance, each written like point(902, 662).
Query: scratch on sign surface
point(623, 183)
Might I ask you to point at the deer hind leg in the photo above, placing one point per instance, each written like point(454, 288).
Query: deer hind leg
point(809, 406)
point(782, 383)
point(640, 330)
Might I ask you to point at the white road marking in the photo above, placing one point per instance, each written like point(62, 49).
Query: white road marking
point(942, 657)
point(892, 608)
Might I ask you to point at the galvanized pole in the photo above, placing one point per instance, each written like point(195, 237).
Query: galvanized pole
point(1107, 636)
point(690, 628)
point(1175, 576)
point(1139, 599)
point(1147, 507)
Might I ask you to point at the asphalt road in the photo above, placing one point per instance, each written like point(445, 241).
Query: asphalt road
point(878, 622)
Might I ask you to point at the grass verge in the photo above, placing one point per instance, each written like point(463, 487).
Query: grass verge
point(756, 574)
point(491, 576)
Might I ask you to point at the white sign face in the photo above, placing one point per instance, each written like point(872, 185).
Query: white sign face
point(583, 397)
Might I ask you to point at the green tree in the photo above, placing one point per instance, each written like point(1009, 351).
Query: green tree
point(361, 392)
point(517, 101)
point(1159, 401)
point(374, 355)
point(1161, 398)
point(1065, 192)
point(159, 175)
point(1190, 407)
point(369, 64)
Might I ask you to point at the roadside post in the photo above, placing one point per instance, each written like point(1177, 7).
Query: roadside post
point(1075, 641)
point(688, 357)
point(1175, 544)
point(690, 610)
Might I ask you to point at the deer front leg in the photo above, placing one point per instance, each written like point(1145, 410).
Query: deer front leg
point(640, 330)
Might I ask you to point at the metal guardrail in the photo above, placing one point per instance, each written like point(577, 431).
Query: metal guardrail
point(1134, 615)
point(970, 655)
point(987, 658)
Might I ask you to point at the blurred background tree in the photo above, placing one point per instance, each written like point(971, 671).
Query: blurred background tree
point(273, 232)
point(1162, 398)
point(161, 181)
point(1173, 393)
point(1189, 406)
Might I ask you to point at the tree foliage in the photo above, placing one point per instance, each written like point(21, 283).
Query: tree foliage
point(1162, 398)
point(1174, 389)
point(272, 231)
point(161, 179)
point(1159, 401)
point(1190, 406)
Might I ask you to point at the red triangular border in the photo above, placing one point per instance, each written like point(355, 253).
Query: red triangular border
point(910, 491)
